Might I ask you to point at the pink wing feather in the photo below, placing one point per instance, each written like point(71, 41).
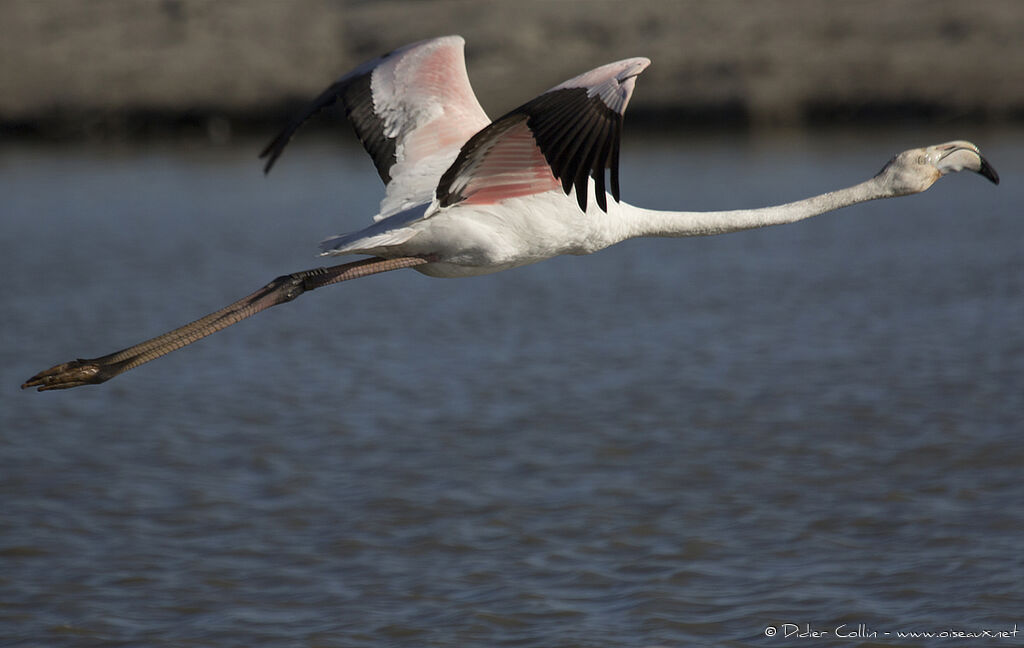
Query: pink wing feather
point(565, 136)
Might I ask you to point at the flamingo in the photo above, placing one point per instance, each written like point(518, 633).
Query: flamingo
point(466, 196)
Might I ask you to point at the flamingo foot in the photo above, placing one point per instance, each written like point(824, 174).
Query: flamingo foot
point(72, 374)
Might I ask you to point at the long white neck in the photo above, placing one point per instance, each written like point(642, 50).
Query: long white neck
point(638, 222)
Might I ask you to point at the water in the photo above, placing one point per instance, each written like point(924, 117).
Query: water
point(668, 443)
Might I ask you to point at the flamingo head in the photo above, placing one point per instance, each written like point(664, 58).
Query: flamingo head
point(915, 170)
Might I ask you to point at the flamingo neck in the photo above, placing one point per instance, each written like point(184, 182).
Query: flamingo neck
point(640, 222)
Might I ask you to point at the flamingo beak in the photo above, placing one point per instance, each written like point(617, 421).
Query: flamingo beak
point(960, 155)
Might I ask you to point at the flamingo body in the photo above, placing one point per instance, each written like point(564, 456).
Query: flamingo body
point(467, 196)
point(494, 200)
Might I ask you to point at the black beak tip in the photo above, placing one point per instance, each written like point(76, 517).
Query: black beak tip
point(989, 172)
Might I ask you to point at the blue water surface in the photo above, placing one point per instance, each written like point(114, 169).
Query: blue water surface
point(669, 443)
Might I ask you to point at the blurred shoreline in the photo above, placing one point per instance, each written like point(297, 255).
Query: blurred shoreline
point(120, 69)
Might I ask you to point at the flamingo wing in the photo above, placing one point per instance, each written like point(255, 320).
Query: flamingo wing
point(412, 109)
point(562, 138)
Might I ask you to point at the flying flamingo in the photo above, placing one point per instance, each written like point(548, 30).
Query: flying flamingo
point(467, 196)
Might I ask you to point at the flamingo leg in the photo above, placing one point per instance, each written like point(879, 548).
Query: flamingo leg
point(279, 291)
